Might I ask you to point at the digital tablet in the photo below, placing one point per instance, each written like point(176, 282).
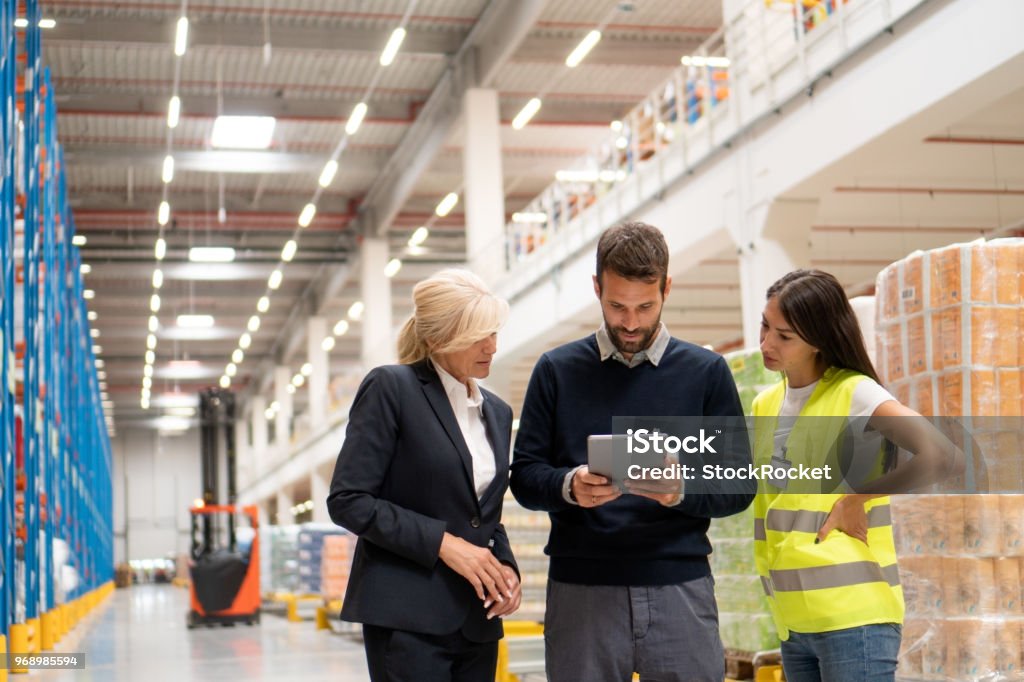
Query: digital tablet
point(607, 456)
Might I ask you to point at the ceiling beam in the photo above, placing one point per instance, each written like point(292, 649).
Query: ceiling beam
point(493, 40)
point(420, 42)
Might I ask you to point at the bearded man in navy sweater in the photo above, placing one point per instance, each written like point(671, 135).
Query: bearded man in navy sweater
point(629, 584)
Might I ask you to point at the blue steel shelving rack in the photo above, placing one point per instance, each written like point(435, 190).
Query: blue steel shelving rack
point(63, 491)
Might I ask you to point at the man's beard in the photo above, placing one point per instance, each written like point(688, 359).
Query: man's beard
point(647, 334)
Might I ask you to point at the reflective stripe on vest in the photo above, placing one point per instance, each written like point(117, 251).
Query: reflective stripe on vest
point(837, 575)
point(805, 521)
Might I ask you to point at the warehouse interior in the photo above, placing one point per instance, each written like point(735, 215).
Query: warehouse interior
point(389, 139)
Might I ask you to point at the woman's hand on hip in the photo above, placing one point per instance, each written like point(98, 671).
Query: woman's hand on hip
point(510, 605)
point(847, 516)
point(478, 566)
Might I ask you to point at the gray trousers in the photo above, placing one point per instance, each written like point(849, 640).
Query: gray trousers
point(601, 633)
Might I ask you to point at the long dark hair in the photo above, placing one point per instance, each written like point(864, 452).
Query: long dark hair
point(815, 306)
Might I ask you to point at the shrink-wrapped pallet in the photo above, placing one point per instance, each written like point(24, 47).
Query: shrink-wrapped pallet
point(950, 333)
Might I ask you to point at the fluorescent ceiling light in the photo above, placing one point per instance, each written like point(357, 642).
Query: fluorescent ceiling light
point(144, 403)
point(225, 382)
point(101, 375)
point(621, 142)
point(163, 214)
point(328, 344)
point(419, 236)
point(211, 254)
point(581, 51)
point(391, 49)
point(147, 382)
point(177, 399)
point(184, 369)
point(21, 22)
point(231, 369)
point(341, 328)
point(99, 363)
point(167, 175)
point(529, 217)
point(298, 380)
point(306, 217)
point(222, 215)
point(94, 333)
point(150, 357)
point(268, 413)
point(447, 204)
point(147, 371)
point(392, 268)
point(713, 62)
point(263, 305)
point(306, 369)
point(355, 311)
point(290, 388)
point(181, 37)
point(356, 118)
point(173, 112)
point(616, 125)
point(288, 252)
point(275, 279)
point(154, 303)
point(154, 323)
point(160, 249)
point(237, 356)
point(97, 349)
point(254, 324)
point(193, 321)
point(172, 423)
point(577, 175)
point(92, 315)
point(158, 278)
point(85, 268)
point(526, 113)
point(328, 173)
point(145, 392)
point(244, 341)
point(79, 240)
point(243, 132)
point(180, 411)
point(88, 294)
point(151, 342)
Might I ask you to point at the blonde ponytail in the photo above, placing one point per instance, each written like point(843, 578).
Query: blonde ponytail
point(411, 348)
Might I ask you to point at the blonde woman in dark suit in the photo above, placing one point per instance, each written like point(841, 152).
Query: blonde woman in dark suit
point(420, 479)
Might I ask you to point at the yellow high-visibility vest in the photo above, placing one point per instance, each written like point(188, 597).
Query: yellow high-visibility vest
point(841, 582)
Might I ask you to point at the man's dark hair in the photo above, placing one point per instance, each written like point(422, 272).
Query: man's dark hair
point(635, 251)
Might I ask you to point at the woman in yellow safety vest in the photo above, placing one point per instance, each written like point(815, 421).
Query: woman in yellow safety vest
point(824, 550)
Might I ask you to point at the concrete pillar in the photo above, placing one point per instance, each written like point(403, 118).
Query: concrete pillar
point(319, 486)
point(316, 383)
point(484, 196)
point(283, 421)
point(284, 507)
point(258, 419)
point(777, 241)
point(378, 347)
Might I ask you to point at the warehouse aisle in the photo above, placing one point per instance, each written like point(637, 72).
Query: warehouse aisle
point(140, 636)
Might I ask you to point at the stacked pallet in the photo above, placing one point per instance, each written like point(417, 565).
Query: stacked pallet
point(950, 334)
point(310, 549)
point(336, 564)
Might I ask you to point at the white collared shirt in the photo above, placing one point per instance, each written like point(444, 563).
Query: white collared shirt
point(468, 411)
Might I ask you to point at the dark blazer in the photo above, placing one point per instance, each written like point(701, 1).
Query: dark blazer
point(404, 476)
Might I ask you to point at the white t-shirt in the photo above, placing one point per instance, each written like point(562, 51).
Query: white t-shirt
point(867, 396)
point(468, 411)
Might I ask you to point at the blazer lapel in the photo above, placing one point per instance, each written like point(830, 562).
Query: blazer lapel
point(499, 440)
point(442, 407)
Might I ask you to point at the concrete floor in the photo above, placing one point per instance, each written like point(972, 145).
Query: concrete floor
point(139, 635)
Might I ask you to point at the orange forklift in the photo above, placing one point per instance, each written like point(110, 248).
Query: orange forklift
point(225, 555)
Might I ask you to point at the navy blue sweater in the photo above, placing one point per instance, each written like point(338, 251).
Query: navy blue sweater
point(631, 540)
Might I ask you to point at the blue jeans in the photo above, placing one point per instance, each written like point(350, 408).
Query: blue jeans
point(863, 654)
